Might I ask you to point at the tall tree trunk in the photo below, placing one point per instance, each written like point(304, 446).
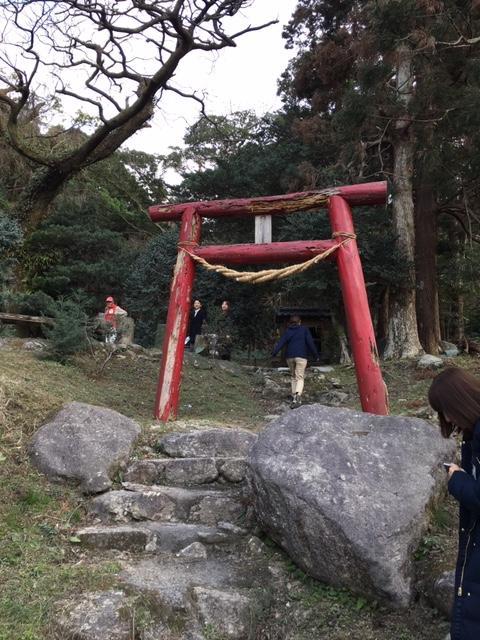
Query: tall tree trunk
point(345, 357)
point(460, 329)
point(38, 195)
point(428, 316)
point(382, 319)
point(459, 240)
point(402, 339)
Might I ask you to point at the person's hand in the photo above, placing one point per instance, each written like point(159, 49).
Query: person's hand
point(453, 468)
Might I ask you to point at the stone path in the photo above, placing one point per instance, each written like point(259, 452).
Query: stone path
point(192, 565)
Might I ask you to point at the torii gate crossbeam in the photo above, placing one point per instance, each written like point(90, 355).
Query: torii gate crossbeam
point(372, 389)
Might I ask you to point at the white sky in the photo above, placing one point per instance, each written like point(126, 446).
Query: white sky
point(233, 79)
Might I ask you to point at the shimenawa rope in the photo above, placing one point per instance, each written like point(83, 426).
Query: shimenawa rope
point(256, 277)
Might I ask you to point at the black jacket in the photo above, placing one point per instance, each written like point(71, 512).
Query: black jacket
point(196, 321)
point(465, 487)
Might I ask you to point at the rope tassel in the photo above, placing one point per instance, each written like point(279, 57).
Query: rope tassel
point(266, 275)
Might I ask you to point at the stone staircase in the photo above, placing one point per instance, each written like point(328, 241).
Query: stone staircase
point(184, 528)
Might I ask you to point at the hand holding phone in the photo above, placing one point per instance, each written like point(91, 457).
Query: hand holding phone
point(447, 465)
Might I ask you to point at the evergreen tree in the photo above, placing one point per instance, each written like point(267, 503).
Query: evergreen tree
point(381, 85)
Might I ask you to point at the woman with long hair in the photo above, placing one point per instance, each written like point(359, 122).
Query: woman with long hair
point(455, 395)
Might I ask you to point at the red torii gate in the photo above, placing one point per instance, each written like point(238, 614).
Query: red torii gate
point(373, 392)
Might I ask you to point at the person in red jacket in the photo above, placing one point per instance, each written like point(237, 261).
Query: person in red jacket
point(110, 316)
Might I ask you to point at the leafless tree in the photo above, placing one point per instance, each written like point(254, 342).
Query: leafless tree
point(115, 59)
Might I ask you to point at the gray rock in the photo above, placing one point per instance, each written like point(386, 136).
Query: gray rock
point(125, 537)
point(332, 398)
point(255, 546)
point(346, 494)
point(233, 469)
point(123, 506)
point(35, 345)
point(228, 614)
point(229, 527)
point(164, 504)
point(218, 507)
point(181, 471)
point(324, 369)
point(207, 443)
point(195, 550)
point(449, 349)
point(335, 382)
point(84, 444)
point(272, 388)
point(163, 537)
point(430, 362)
point(168, 582)
point(95, 616)
point(443, 592)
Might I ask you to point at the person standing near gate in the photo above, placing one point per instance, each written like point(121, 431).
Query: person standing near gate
point(299, 344)
point(110, 316)
point(197, 318)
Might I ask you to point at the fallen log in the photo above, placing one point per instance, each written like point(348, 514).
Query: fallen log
point(19, 317)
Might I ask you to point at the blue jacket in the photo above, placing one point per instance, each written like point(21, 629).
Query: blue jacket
point(465, 487)
point(299, 343)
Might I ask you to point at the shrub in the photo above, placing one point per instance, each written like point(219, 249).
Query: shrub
point(69, 333)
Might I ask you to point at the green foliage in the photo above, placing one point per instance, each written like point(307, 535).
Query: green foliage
point(90, 241)
point(317, 591)
point(148, 292)
point(244, 156)
point(10, 239)
point(69, 333)
point(148, 285)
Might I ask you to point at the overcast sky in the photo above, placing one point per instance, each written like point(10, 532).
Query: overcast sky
point(244, 77)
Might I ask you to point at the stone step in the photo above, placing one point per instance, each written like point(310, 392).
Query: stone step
point(208, 443)
point(189, 540)
point(179, 584)
point(173, 504)
point(187, 471)
point(194, 600)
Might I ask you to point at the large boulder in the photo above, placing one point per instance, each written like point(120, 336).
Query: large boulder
point(346, 494)
point(85, 445)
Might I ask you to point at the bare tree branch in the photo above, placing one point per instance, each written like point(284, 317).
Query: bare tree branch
point(114, 58)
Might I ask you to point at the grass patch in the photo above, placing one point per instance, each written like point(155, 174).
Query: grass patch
point(37, 565)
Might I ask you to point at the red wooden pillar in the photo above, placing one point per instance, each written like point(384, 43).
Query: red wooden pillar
point(373, 392)
point(168, 390)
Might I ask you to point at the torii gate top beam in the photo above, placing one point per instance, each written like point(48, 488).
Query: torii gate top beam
point(370, 193)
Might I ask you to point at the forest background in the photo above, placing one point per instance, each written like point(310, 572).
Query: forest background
point(379, 89)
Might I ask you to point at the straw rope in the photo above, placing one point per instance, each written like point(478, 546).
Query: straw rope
point(257, 277)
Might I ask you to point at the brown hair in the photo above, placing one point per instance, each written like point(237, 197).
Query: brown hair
point(455, 395)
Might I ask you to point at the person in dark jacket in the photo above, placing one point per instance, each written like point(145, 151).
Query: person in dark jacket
point(455, 395)
point(299, 344)
point(197, 317)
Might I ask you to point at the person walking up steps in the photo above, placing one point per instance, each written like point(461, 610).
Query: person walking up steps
point(299, 343)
